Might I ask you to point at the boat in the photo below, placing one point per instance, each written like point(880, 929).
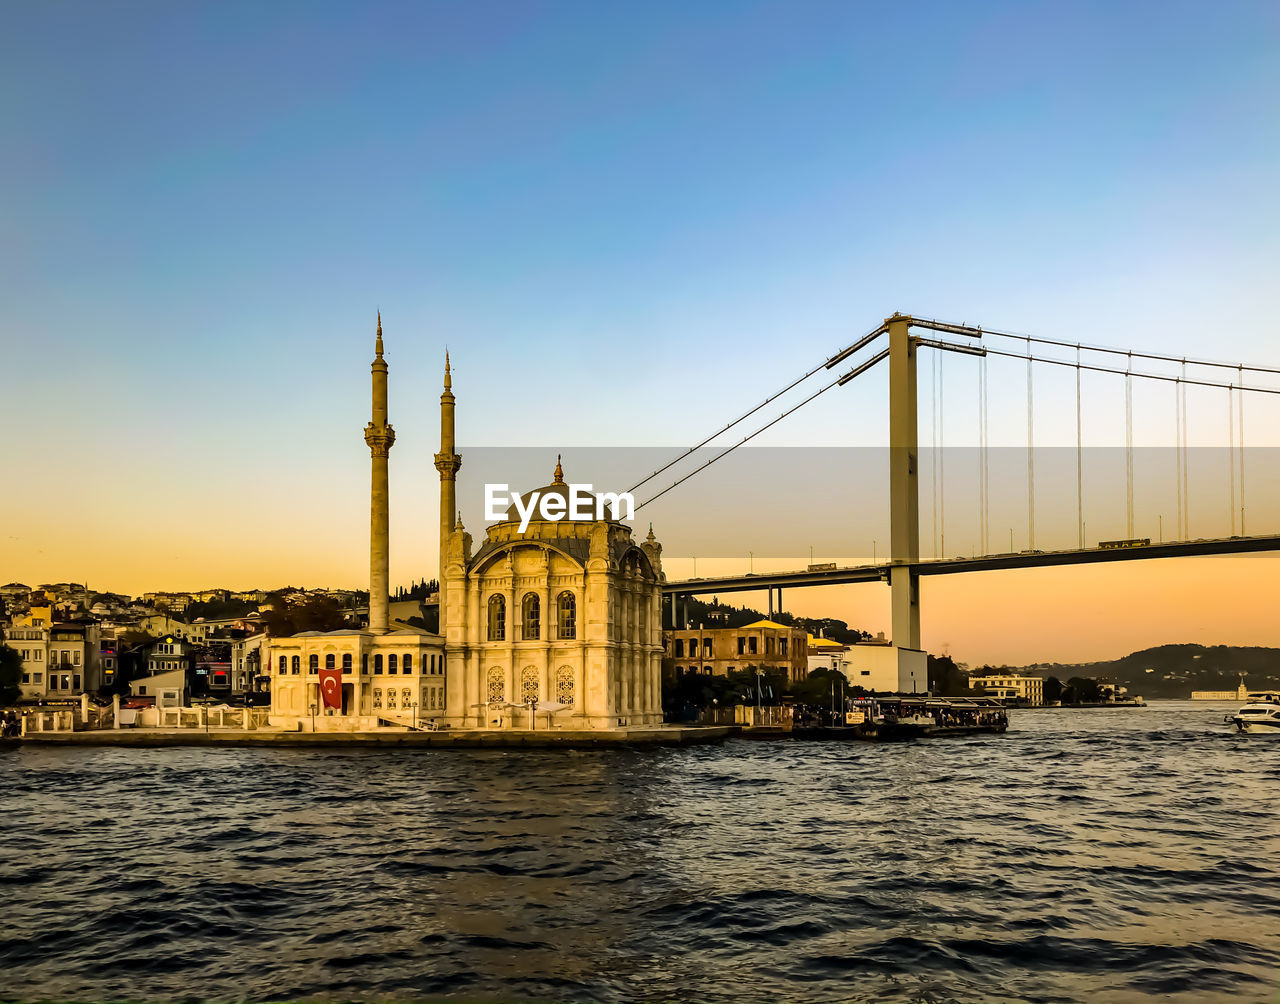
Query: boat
point(1261, 714)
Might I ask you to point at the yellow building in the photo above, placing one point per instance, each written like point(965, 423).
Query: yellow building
point(764, 644)
point(1023, 688)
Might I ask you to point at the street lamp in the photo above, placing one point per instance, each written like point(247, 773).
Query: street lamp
point(313, 718)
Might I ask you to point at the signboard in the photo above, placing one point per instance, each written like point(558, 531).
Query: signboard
point(854, 717)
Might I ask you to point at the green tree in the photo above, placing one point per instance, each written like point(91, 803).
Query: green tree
point(10, 674)
point(1053, 690)
point(1081, 690)
point(316, 613)
point(946, 679)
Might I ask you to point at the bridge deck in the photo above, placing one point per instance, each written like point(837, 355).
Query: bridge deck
point(983, 563)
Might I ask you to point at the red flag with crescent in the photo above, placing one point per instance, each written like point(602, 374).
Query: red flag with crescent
point(331, 687)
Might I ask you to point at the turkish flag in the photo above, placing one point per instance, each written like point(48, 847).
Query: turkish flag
point(331, 687)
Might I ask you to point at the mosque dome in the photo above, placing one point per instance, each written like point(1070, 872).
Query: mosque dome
point(558, 487)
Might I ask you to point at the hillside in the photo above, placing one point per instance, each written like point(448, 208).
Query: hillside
point(1176, 670)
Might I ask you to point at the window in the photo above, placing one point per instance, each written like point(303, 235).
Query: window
point(531, 616)
point(283, 663)
point(497, 685)
point(751, 645)
point(693, 647)
point(377, 665)
point(679, 648)
point(742, 645)
point(782, 645)
point(706, 648)
point(408, 662)
point(391, 696)
point(377, 697)
point(564, 685)
point(37, 677)
point(433, 665)
point(706, 670)
point(364, 663)
point(296, 665)
point(142, 691)
point(528, 685)
point(313, 665)
point(406, 698)
point(330, 662)
point(391, 665)
point(346, 664)
point(26, 677)
point(76, 657)
point(568, 609)
point(497, 618)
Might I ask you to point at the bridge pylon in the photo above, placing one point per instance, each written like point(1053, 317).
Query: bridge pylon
point(904, 508)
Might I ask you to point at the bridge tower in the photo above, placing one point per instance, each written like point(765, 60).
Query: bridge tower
point(904, 508)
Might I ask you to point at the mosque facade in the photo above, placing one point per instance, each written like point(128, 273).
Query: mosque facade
point(558, 626)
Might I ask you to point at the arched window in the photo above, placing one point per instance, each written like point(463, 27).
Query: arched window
point(497, 617)
point(564, 685)
point(408, 662)
point(295, 665)
point(313, 665)
point(567, 607)
point(346, 663)
point(377, 665)
point(391, 665)
point(528, 683)
point(329, 662)
point(530, 614)
point(283, 664)
point(497, 685)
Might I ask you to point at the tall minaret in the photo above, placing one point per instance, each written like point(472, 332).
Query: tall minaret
point(447, 463)
point(380, 437)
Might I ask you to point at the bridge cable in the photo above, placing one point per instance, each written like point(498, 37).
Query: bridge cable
point(1177, 412)
point(1031, 459)
point(720, 456)
point(1128, 449)
point(1049, 360)
point(1187, 457)
point(942, 461)
point(1079, 459)
point(986, 458)
point(1240, 426)
point(1231, 457)
point(1160, 357)
point(933, 443)
point(843, 354)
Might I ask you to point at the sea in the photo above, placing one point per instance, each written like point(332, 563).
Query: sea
point(1086, 855)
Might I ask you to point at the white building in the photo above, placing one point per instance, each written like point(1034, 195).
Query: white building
point(1011, 687)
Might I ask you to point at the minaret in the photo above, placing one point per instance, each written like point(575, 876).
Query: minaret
point(447, 463)
point(380, 437)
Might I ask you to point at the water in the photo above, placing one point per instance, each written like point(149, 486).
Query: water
point(1085, 855)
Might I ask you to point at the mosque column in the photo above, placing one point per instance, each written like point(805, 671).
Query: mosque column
point(380, 437)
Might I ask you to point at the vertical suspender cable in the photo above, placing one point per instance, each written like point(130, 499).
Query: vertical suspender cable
point(942, 461)
point(1240, 427)
point(1186, 460)
point(1031, 460)
point(933, 452)
point(984, 505)
point(1128, 447)
point(1079, 459)
point(1177, 450)
point(1231, 456)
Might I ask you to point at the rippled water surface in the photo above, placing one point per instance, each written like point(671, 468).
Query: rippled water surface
point(1085, 855)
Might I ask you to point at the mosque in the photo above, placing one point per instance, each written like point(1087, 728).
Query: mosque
point(555, 627)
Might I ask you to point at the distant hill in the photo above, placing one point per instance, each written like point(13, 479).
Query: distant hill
point(1176, 670)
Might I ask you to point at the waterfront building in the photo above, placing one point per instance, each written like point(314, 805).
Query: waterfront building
point(59, 661)
point(765, 645)
point(565, 617)
point(353, 680)
point(1011, 686)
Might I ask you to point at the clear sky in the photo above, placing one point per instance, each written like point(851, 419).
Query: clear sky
point(628, 221)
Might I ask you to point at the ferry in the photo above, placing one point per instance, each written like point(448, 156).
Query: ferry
point(1261, 714)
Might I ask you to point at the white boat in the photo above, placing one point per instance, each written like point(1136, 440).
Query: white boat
point(1257, 716)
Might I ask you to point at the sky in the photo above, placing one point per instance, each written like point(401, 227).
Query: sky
point(628, 223)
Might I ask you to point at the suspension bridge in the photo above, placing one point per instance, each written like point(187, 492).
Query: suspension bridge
point(903, 566)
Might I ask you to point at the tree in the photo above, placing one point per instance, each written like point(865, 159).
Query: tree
point(1082, 690)
point(315, 613)
point(946, 679)
point(10, 674)
point(1053, 690)
point(819, 686)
